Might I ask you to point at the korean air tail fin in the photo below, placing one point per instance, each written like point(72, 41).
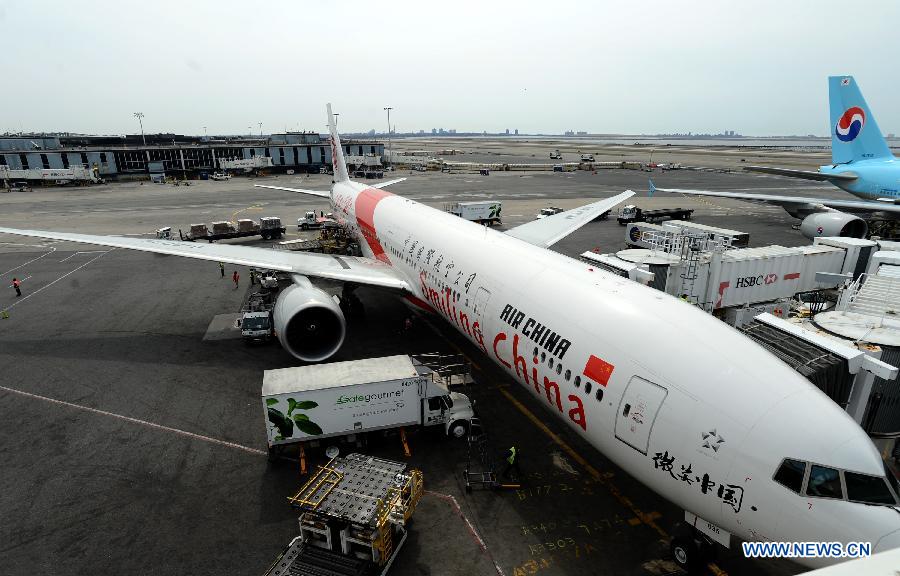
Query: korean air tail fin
point(854, 132)
point(337, 152)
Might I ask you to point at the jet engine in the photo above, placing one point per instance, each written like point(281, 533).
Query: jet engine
point(309, 323)
point(833, 224)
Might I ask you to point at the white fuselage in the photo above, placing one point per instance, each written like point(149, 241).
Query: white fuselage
point(684, 403)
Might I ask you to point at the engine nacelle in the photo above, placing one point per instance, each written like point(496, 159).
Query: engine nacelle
point(309, 323)
point(833, 224)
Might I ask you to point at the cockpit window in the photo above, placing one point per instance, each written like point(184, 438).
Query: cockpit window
point(790, 474)
point(824, 482)
point(865, 488)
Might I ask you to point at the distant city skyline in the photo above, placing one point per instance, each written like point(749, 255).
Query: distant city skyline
point(225, 67)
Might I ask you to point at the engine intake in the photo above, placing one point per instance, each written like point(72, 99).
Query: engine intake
point(309, 323)
point(833, 224)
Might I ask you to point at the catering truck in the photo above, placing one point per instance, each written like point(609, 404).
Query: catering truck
point(480, 211)
point(320, 401)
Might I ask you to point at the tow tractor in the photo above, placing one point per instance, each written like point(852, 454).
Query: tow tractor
point(256, 322)
point(310, 221)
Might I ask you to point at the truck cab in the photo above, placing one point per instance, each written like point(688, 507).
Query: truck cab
point(256, 326)
point(452, 409)
point(556, 155)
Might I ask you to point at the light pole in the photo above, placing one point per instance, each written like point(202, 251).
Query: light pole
point(140, 115)
point(390, 154)
point(250, 131)
point(260, 129)
point(204, 131)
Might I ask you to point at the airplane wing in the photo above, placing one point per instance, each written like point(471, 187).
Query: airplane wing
point(344, 268)
point(548, 231)
point(388, 183)
point(853, 205)
point(805, 174)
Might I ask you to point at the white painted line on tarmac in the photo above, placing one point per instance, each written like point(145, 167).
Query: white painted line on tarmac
point(42, 288)
point(84, 252)
point(52, 250)
point(469, 525)
point(138, 421)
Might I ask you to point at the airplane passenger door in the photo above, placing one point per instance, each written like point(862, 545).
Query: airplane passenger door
point(481, 299)
point(637, 412)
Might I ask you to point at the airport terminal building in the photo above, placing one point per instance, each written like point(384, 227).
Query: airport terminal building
point(120, 157)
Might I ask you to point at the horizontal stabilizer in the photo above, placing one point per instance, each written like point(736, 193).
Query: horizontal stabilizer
point(388, 183)
point(320, 193)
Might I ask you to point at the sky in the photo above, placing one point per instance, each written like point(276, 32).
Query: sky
point(759, 68)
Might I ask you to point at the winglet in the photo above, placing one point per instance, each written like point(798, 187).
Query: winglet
point(337, 153)
point(652, 189)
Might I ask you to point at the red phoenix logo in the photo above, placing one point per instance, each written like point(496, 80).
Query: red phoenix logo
point(770, 278)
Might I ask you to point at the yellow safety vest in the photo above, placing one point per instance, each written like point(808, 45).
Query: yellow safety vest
point(512, 455)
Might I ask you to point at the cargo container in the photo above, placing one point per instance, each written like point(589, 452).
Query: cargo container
point(311, 403)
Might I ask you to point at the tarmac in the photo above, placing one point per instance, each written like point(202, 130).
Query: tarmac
point(133, 436)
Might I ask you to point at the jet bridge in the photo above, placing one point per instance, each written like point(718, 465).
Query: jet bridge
point(845, 373)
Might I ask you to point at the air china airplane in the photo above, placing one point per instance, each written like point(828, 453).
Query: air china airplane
point(684, 403)
point(862, 164)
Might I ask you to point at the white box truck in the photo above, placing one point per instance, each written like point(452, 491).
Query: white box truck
point(311, 403)
point(482, 211)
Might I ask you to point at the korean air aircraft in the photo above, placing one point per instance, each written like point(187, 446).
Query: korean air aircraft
point(681, 401)
point(862, 164)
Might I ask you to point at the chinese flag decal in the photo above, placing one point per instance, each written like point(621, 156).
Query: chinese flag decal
point(598, 370)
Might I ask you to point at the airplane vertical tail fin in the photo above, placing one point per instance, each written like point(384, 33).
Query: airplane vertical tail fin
point(337, 152)
point(854, 132)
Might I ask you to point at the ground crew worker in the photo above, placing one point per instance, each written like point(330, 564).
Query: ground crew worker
point(235, 277)
point(252, 276)
point(512, 463)
point(16, 284)
point(222, 269)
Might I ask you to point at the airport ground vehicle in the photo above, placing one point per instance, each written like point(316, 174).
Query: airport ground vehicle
point(354, 515)
point(587, 157)
point(268, 227)
point(256, 321)
point(556, 155)
point(164, 233)
point(632, 213)
point(311, 222)
point(319, 401)
point(481, 211)
point(548, 211)
point(221, 176)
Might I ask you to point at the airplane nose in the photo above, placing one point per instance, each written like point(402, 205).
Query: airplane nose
point(888, 542)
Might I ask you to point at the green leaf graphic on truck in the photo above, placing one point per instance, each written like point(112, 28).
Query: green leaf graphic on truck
point(285, 423)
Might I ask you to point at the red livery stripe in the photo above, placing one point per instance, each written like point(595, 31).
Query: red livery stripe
point(792, 276)
point(366, 201)
point(598, 370)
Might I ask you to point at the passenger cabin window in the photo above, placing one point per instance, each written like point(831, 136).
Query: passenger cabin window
point(434, 403)
point(869, 489)
point(790, 474)
point(824, 483)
